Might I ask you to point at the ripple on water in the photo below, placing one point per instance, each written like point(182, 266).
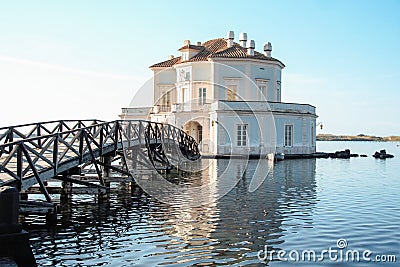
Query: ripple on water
point(302, 204)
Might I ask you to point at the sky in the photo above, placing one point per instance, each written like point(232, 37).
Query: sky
point(86, 59)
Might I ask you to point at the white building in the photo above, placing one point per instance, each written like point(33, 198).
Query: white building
point(228, 97)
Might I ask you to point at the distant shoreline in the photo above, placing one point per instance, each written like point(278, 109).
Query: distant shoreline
point(360, 137)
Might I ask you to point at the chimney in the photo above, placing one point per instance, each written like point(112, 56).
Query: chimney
point(170, 57)
point(250, 48)
point(243, 39)
point(199, 43)
point(186, 42)
point(229, 38)
point(268, 49)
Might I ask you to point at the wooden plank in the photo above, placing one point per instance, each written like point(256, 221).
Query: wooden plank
point(79, 181)
point(94, 179)
point(37, 203)
point(25, 210)
point(36, 207)
point(56, 190)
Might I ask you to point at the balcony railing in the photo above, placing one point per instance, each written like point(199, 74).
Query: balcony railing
point(261, 106)
point(161, 108)
point(182, 107)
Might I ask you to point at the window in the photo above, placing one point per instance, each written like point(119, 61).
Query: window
point(232, 88)
point(184, 75)
point(262, 92)
point(187, 76)
point(288, 135)
point(165, 102)
point(242, 135)
point(185, 56)
point(202, 96)
point(231, 94)
point(262, 89)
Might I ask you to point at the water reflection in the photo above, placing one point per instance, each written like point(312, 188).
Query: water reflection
point(132, 228)
point(252, 220)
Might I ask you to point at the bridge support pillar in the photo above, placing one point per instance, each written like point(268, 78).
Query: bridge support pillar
point(107, 161)
point(23, 196)
point(14, 242)
point(66, 189)
point(135, 189)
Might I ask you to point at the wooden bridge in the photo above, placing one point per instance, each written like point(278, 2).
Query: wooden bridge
point(32, 154)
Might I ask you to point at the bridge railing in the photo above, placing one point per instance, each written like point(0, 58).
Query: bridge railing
point(15, 133)
point(50, 148)
point(29, 157)
point(162, 134)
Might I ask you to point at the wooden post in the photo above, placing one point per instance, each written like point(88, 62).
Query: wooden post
point(38, 133)
point(66, 189)
point(11, 139)
point(107, 161)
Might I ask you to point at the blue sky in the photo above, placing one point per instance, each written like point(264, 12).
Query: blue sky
point(86, 59)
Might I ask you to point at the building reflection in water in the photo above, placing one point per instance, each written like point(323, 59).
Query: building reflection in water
point(232, 229)
point(252, 220)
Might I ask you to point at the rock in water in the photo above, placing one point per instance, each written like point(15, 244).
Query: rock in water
point(341, 154)
point(382, 154)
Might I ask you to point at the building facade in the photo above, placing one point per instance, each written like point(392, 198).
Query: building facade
point(228, 97)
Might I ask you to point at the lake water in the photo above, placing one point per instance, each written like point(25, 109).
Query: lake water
point(306, 204)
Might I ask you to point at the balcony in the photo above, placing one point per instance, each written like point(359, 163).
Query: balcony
point(135, 113)
point(191, 107)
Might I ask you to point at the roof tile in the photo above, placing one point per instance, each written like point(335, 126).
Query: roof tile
point(167, 63)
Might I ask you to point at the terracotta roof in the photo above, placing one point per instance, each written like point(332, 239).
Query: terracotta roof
point(210, 47)
point(167, 63)
point(237, 51)
point(216, 48)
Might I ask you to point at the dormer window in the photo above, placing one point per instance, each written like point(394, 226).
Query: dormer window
point(188, 51)
point(185, 56)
